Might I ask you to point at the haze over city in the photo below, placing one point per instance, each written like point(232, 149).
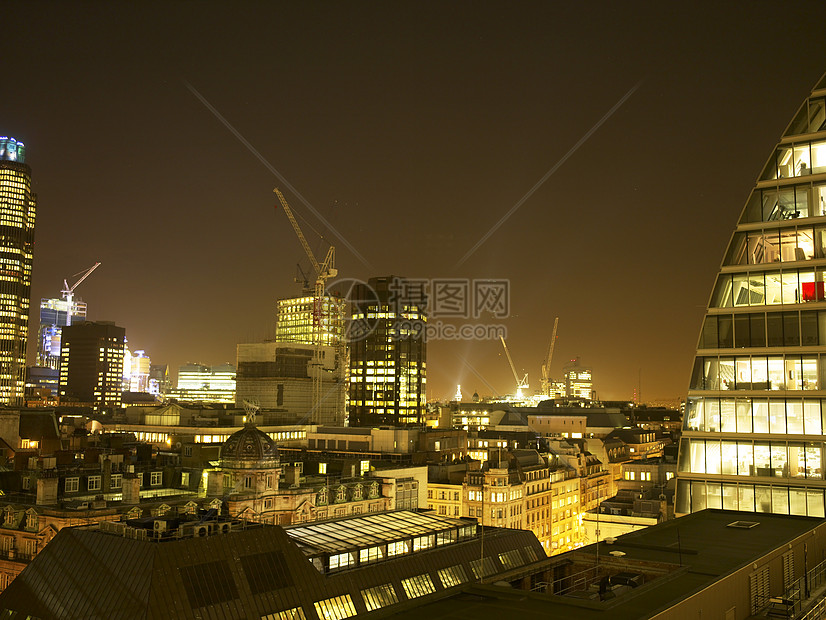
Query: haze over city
point(412, 129)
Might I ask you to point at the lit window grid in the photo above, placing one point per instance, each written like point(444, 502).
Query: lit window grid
point(335, 608)
point(751, 282)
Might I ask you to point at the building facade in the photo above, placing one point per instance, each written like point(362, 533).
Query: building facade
point(578, 381)
point(388, 354)
point(55, 314)
point(197, 382)
point(297, 318)
point(278, 376)
point(526, 492)
point(17, 216)
point(91, 364)
point(753, 429)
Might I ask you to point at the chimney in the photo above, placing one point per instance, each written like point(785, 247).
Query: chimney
point(47, 489)
point(215, 483)
point(131, 488)
point(291, 475)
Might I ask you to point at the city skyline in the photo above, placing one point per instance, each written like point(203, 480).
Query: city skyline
point(447, 118)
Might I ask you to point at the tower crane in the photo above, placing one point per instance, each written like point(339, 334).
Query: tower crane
point(323, 272)
point(521, 384)
point(546, 366)
point(68, 291)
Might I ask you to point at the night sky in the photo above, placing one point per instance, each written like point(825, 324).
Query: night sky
point(412, 128)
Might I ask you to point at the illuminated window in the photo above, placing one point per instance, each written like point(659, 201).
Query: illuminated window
point(511, 559)
point(482, 568)
point(397, 548)
point(420, 585)
point(335, 608)
point(341, 560)
point(371, 554)
point(380, 596)
point(296, 613)
point(453, 576)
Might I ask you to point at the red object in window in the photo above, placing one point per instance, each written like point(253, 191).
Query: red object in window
point(813, 291)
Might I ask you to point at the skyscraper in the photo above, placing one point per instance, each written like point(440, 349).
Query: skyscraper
point(91, 364)
point(579, 382)
point(17, 215)
point(753, 431)
point(388, 354)
point(55, 314)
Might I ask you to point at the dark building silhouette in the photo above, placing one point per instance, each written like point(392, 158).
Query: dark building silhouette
point(387, 353)
point(91, 364)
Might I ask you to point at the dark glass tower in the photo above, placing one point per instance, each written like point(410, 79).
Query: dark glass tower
point(754, 425)
point(17, 214)
point(388, 354)
point(91, 364)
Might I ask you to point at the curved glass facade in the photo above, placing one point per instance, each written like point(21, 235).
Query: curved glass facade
point(17, 215)
point(753, 434)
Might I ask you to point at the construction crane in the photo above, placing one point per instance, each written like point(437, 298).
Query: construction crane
point(69, 291)
point(521, 384)
point(302, 279)
point(323, 272)
point(547, 382)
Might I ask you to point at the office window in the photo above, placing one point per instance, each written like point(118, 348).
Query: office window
point(156, 478)
point(72, 485)
point(116, 481)
point(93, 483)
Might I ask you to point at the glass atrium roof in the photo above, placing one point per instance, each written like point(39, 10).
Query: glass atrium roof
point(370, 530)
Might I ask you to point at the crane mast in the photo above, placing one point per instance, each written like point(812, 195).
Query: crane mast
point(546, 367)
point(323, 272)
point(68, 291)
point(520, 383)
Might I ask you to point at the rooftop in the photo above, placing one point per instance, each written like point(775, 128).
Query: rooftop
point(377, 529)
point(676, 559)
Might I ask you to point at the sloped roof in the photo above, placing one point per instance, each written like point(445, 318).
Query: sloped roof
point(38, 425)
point(89, 574)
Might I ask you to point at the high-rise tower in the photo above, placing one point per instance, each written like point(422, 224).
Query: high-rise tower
point(17, 214)
point(753, 432)
point(388, 353)
point(91, 364)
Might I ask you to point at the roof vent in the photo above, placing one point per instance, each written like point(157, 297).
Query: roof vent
point(743, 525)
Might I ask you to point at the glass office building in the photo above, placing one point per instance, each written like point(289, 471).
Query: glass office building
point(298, 317)
point(753, 430)
point(388, 354)
point(17, 214)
